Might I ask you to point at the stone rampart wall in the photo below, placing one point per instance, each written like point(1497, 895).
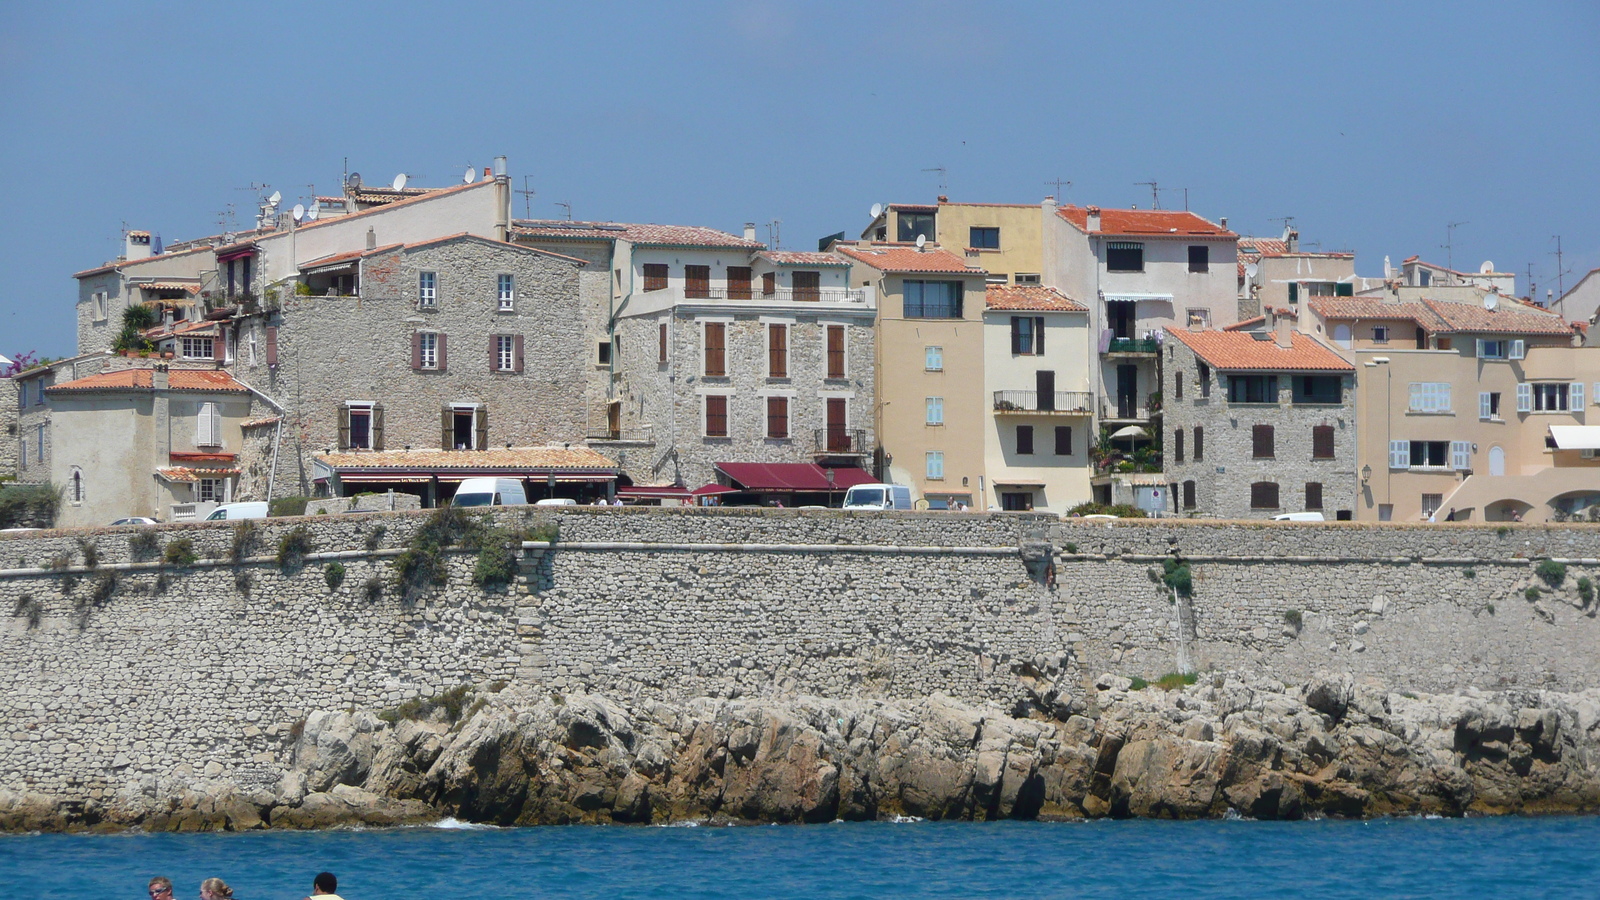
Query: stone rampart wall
point(212, 667)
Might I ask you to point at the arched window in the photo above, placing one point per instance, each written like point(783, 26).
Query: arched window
point(77, 485)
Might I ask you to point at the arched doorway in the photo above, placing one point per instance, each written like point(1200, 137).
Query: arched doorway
point(1497, 460)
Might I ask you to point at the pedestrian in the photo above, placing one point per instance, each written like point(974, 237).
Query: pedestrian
point(325, 885)
point(160, 888)
point(1450, 516)
point(215, 889)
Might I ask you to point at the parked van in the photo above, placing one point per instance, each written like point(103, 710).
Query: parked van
point(878, 496)
point(490, 492)
point(256, 509)
point(1300, 517)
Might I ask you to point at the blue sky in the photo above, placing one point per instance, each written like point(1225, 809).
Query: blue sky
point(1375, 125)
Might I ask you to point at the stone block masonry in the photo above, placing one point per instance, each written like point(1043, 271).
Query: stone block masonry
point(181, 671)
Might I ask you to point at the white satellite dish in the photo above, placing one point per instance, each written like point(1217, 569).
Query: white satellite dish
point(1251, 270)
point(471, 176)
point(400, 182)
point(1486, 268)
point(312, 213)
point(1491, 302)
point(921, 240)
point(299, 212)
point(273, 200)
point(353, 181)
point(877, 210)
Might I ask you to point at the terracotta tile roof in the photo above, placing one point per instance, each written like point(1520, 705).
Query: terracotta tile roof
point(1152, 222)
point(1242, 350)
point(1473, 319)
point(385, 195)
point(139, 379)
point(515, 458)
point(801, 258)
point(339, 259)
point(995, 205)
point(905, 258)
point(1258, 246)
point(1365, 308)
point(168, 286)
point(467, 235)
point(264, 420)
point(1030, 297)
point(1245, 324)
point(914, 207)
point(186, 474)
point(180, 456)
point(657, 235)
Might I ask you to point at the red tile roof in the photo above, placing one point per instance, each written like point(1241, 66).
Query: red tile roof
point(1366, 308)
point(801, 258)
point(168, 286)
point(1245, 324)
point(1243, 350)
point(184, 456)
point(646, 234)
point(1474, 319)
point(1150, 222)
point(189, 475)
point(140, 379)
point(1030, 297)
point(905, 258)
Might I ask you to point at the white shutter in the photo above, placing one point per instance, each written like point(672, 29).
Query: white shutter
point(1524, 397)
point(1575, 397)
point(1519, 349)
point(1460, 455)
point(206, 426)
point(1399, 454)
point(1481, 342)
point(216, 424)
point(1595, 396)
point(1419, 396)
point(1484, 407)
point(1443, 396)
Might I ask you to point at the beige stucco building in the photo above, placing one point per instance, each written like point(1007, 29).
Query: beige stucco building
point(1006, 240)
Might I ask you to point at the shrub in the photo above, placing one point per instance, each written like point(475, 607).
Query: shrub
point(29, 506)
point(242, 581)
point(179, 552)
point(1489, 607)
point(1294, 619)
point(245, 538)
point(1586, 590)
point(30, 609)
point(333, 574)
point(1469, 573)
point(1532, 593)
point(104, 585)
point(1121, 510)
point(375, 537)
point(138, 317)
point(1502, 531)
point(1177, 576)
point(374, 589)
point(143, 545)
point(1138, 684)
point(1174, 680)
point(452, 702)
point(287, 506)
point(422, 563)
point(1551, 572)
point(293, 547)
point(91, 553)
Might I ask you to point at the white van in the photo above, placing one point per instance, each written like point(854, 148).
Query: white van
point(229, 511)
point(1300, 517)
point(878, 496)
point(490, 492)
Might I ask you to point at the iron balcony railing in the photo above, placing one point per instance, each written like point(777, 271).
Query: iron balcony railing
point(1133, 345)
point(840, 440)
point(801, 295)
point(1070, 402)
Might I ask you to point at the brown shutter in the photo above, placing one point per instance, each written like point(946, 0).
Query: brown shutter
point(1313, 495)
point(1177, 445)
point(738, 282)
point(1199, 444)
point(416, 350)
point(836, 351)
point(480, 418)
point(697, 281)
point(377, 426)
point(344, 426)
point(777, 417)
point(661, 357)
point(441, 351)
point(1322, 442)
point(494, 358)
point(517, 354)
point(716, 415)
point(1261, 442)
point(1188, 495)
point(1038, 335)
point(716, 359)
point(769, 283)
point(272, 346)
point(807, 286)
point(447, 439)
point(219, 347)
point(777, 351)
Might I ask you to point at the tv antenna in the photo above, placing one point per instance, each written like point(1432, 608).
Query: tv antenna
point(1288, 224)
point(1155, 192)
point(1532, 293)
point(567, 207)
point(774, 232)
point(1060, 195)
point(1449, 244)
point(943, 178)
point(1185, 196)
point(527, 199)
point(1561, 273)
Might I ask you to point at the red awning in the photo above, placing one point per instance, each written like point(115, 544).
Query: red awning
point(792, 477)
point(654, 492)
point(712, 490)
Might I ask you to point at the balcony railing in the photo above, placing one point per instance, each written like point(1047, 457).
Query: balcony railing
point(1068, 402)
point(1124, 409)
point(851, 441)
point(801, 295)
point(190, 512)
point(1133, 345)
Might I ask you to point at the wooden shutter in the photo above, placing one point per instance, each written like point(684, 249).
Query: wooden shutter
point(1024, 440)
point(416, 350)
point(769, 283)
point(1575, 397)
point(716, 365)
point(1188, 495)
point(1177, 445)
point(1322, 442)
point(1524, 397)
point(838, 433)
point(204, 435)
point(836, 351)
point(272, 346)
point(219, 347)
point(777, 417)
point(1199, 443)
point(344, 427)
point(1313, 495)
point(738, 282)
point(516, 352)
point(1264, 495)
point(1485, 405)
point(1519, 349)
point(655, 276)
point(716, 415)
point(1261, 442)
point(1063, 440)
point(447, 438)
point(1399, 454)
point(661, 354)
point(441, 351)
point(376, 426)
point(777, 350)
point(494, 352)
point(807, 285)
point(1038, 335)
point(697, 281)
point(1016, 336)
point(480, 422)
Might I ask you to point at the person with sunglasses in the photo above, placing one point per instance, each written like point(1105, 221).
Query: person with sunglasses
point(160, 888)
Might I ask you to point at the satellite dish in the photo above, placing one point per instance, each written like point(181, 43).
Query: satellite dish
point(312, 213)
point(353, 181)
point(471, 176)
point(299, 212)
point(1486, 268)
point(400, 182)
point(1251, 270)
point(276, 196)
point(877, 210)
point(1491, 302)
point(921, 240)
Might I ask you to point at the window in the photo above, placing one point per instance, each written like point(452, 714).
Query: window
point(807, 286)
point(1199, 258)
point(1264, 495)
point(932, 299)
point(1252, 389)
point(1203, 372)
point(777, 417)
point(1188, 495)
point(210, 490)
point(1261, 440)
point(1488, 405)
point(1322, 442)
point(76, 487)
point(769, 284)
point(655, 276)
point(40, 433)
point(1027, 278)
point(1430, 396)
point(427, 289)
point(1024, 440)
point(697, 281)
point(983, 238)
point(1502, 349)
point(1177, 385)
point(1317, 388)
point(1027, 335)
point(1460, 455)
point(738, 282)
point(1063, 440)
point(934, 464)
point(504, 355)
point(836, 351)
point(777, 350)
point(716, 415)
point(714, 350)
point(427, 350)
point(208, 426)
point(465, 427)
point(933, 359)
point(251, 346)
point(1431, 504)
point(362, 427)
point(661, 351)
point(1199, 444)
point(1380, 334)
point(1177, 445)
point(198, 348)
point(935, 411)
point(508, 293)
point(1313, 495)
point(1553, 396)
point(913, 225)
point(1423, 454)
point(1124, 256)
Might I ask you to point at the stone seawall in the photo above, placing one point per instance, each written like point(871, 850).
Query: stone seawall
point(134, 672)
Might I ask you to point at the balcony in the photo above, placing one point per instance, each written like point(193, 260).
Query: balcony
point(191, 512)
point(1137, 346)
point(846, 296)
point(839, 442)
point(1067, 403)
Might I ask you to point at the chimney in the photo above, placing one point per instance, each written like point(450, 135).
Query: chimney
point(161, 412)
point(500, 170)
point(159, 376)
point(1049, 204)
point(136, 245)
point(750, 231)
point(372, 238)
point(1282, 329)
point(1292, 239)
point(1224, 223)
point(1094, 219)
point(943, 199)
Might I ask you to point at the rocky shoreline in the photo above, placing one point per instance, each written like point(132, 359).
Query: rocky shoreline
point(1228, 745)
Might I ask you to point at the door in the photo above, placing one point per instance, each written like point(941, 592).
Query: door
point(1045, 384)
point(697, 281)
point(807, 285)
point(1127, 392)
point(1121, 319)
point(1342, 336)
point(838, 434)
point(1497, 461)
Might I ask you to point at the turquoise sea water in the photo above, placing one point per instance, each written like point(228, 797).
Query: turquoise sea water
point(1547, 857)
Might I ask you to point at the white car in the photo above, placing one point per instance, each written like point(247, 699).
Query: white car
point(557, 501)
point(1300, 517)
point(135, 520)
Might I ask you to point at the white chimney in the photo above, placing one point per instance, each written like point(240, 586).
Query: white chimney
point(136, 245)
point(500, 170)
point(1094, 218)
point(372, 238)
point(1282, 330)
point(750, 231)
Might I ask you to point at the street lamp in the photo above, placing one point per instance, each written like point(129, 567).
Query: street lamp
point(829, 473)
point(1366, 475)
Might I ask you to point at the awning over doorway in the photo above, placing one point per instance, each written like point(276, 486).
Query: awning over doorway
point(1576, 437)
point(792, 477)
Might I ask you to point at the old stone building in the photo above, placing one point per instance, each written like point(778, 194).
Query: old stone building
point(1257, 424)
